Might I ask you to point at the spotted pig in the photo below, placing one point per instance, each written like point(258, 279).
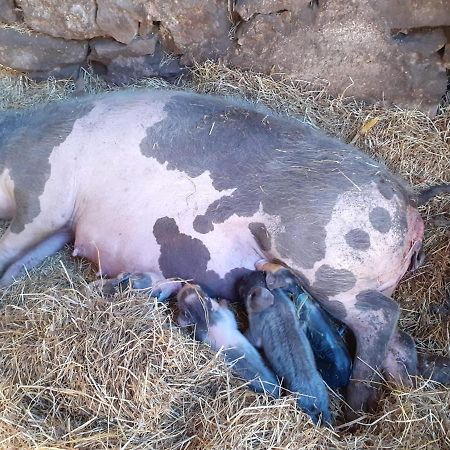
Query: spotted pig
point(202, 187)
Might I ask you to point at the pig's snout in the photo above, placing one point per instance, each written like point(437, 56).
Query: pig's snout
point(317, 409)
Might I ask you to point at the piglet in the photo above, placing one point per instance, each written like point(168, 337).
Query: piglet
point(324, 334)
point(274, 327)
point(216, 325)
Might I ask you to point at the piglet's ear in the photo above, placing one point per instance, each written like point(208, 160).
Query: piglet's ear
point(191, 294)
point(282, 278)
point(259, 299)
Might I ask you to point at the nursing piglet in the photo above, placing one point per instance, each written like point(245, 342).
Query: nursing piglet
point(324, 333)
point(274, 327)
point(216, 325)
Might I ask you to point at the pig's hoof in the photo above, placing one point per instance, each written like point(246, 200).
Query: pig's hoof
point(154, 285)
point(148, 283)
point(140, 281)
point(434, 367)
point(163, 289)
point(108, 287)
point(361, 398)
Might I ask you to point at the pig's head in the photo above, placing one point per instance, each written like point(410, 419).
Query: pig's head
point(282, 278)
point(248, 282)
point(258, 300)
point(196, 309)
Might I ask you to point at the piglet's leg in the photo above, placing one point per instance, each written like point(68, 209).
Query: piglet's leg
point(35, 256)
point(152, 283)
point(373, 320)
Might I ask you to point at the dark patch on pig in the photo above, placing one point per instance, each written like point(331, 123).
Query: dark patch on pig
point(186, 257)
point(202, 225)
point(372, 300)
point(380, 219)
point(27, 139)
point(335, 308)
point(358, 239)
point(385, 188)
point(190, 254)
point(330, 281)
point(261, 235)
point(294, 171)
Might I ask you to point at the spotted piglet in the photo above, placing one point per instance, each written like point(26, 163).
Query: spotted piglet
point(216, 325)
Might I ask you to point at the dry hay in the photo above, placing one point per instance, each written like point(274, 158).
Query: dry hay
point(77, 371)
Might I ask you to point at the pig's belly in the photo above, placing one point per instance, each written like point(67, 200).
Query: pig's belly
point(137, 242)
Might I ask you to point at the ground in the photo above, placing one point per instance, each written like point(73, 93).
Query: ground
point(78, 371)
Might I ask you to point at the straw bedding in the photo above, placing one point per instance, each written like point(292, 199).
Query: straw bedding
point(78, 371)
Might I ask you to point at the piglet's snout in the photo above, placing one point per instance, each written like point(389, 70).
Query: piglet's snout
point(318, 415)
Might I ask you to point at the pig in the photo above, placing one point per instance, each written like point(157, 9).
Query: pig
point(273, 327)
point(216, 325)
point(202, 187)
point(324, 334)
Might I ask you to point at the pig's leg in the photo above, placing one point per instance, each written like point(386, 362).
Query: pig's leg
point(16, 244)
point(403, 362)
point(35, 256)
point(400, 364)
point(152, 283)
point(373, 320)
point(434, 367)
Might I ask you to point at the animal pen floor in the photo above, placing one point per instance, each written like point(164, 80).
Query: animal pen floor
point(77, 371)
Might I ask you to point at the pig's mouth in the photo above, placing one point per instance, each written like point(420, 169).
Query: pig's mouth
point(417, 259)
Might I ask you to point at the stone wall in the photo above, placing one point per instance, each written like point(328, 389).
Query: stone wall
point(392, 50)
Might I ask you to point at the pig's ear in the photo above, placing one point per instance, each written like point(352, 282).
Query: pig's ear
point(190, 295)
point(194, 306)
point(259, 299)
